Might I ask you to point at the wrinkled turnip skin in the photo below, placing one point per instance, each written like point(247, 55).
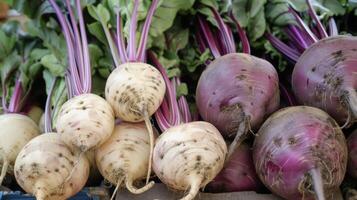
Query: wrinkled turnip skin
point(44, 164)
point(235, 86)
point(352, 154)
point(238, 173)
point(125, 154)
point(323, 74)
point(85, 121)
point(292, 142)
point(16, 131)
point(133, 88)
point(189, 152)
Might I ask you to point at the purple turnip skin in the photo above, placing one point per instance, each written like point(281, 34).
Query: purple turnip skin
point(238, 174)
point(236, 87)
point(298, 150)
point(352, 154)
point(325, 76)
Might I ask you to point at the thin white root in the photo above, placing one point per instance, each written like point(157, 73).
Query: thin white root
point(317, 183)
point(73, 169)
point(239, 138)
point(120, 180)
point(194, 188)
point(5, 165)
point(134, 190)
point(151, 137)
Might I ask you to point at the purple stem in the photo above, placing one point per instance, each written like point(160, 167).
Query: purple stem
point(161, 120)
point(314, 16)
point(303, 26)
point(87, 65)
point(242, 36)
point(145, 31)
point(332, 27)
point(201, 43)
point(287, 95)
point(48, 110)
point(209, 38)
point(170, 92)
point(67, 79)
point(183, 105)
point(120, 40)
point(75, 38)
point(298, 37)
point(223, 28)
point(14, 106)
point(71, 60)
point(132, 33)
point(283, 48)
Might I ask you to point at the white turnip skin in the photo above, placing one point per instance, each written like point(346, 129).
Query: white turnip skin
point(47, 168)
point(85, 122)
point(15, 132)
point(352, 154)
point(135, 91)
point(188, 156)
point(301, 153)
point(124, 157)
point(238, 173)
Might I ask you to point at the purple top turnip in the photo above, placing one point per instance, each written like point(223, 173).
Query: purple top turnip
point(237, 90)
point(300, 153)
point(324, 75)
point(238, 173)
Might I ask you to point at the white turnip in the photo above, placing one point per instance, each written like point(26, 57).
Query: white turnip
point(15, 132)
point(301, 153)
point(124, 158)
point(134, 89)
point(47, 168)
point(86, 120)
point(188, 156)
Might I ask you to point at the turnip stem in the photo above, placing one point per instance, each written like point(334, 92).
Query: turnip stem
point(5, 165)
point(134, 190)
point(132, 33)
point(151, 137)
point(239, 138)
point(194, 188)
point(120, 180)
point(333, 30)
point(313, 14)
point(317, 183)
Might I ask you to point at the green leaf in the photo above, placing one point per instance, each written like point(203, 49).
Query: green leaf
point(7, 43)
point(182, 90)
point(173, 72)
point(53, 65)
point(100, 13)
point(257, 26)
point(96, 29)
point(95, 53)
point(211, 3)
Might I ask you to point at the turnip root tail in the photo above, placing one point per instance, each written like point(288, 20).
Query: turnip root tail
point(39, 191)
point(5, 165)
point(120, 180)
point(194, 188)
point(151, 137)
point(80, 157)
point(317, 183)
point(239, 138)
point(134, 190)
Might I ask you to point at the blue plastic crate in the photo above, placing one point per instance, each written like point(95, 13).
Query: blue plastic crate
point(82, 195)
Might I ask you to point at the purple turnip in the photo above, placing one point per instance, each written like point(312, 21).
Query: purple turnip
point(325, 73)
point(238, 173)
point(301, 153)
point(237, 91)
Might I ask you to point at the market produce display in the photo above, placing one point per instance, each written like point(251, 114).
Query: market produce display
point(200, 96)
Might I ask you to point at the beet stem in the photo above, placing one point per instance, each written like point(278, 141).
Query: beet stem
point(5, 165)
point(239, 138)
point(120, 180)
point(317, 183)
point(134, 190)
point(313, 14)
point(241, 33)
point(333, 30)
